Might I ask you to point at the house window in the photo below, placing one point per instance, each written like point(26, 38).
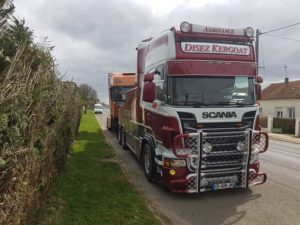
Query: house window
point(291, 112)
point(279, 112)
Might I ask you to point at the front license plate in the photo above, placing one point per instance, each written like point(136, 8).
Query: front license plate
point(222, 186)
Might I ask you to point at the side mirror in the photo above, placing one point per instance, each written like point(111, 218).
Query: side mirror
point(259, 79)
point(258, 91)
point(148, 77)
point(149, 92)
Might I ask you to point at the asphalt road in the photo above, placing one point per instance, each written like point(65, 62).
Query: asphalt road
point(275, 202)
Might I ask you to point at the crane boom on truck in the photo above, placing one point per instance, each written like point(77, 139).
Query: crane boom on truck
point(192, 117)
point(117, 83)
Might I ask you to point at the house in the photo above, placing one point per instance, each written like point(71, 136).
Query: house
point(281, 100)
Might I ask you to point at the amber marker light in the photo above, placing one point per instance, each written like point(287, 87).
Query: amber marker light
point(200, 126)
point(167, 162)
point(239, 125)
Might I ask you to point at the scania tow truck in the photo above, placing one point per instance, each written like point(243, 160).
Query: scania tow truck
point(193, 118)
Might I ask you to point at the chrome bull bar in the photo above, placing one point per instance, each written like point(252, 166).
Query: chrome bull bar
point(219, 160)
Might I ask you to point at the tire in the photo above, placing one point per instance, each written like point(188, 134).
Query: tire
point(124, 145)
point(115, 127)
point(109, 129)
point(149, 164)
point(120, 135)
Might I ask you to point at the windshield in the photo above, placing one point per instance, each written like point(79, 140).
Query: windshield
point(98, 107)
point(116, 93)
point(211, 91)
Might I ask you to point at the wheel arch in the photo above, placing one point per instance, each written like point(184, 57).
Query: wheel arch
point(148, 139)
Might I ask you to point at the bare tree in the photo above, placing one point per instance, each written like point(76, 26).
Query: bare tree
point(88, 95)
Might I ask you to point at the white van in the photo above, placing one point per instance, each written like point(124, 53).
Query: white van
point(98, 108)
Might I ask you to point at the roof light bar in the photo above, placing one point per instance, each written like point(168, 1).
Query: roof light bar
point(188, 27)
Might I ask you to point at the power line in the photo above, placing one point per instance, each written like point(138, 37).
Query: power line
point(258, 33)
point(276, 36)
point(280, 28)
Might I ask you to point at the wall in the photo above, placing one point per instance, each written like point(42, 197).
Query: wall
point(268, 106)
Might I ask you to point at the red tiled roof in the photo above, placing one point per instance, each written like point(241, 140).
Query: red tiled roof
point(282, 90)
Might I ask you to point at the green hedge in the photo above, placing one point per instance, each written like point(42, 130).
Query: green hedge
point(287, 125)
point(39, 116)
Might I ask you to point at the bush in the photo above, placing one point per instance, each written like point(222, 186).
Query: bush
point(287, 125)
point(39, 116)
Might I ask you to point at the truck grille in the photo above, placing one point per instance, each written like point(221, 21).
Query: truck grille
point(189, 123)
point(216, 158)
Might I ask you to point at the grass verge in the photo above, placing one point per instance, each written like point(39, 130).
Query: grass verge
point(93, 191)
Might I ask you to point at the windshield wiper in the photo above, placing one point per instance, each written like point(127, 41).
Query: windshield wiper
point(230, 103)
point(198, 104)
point(191, 103)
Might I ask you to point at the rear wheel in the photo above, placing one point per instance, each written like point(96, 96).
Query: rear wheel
point(120, 130)
point(149, 163)
point(108, 128)
point(124, 145)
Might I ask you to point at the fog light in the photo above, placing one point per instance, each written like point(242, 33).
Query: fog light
point(255, 148)
point(185, 27)
point(172, 172)
point(207, 147)
point(240, 146)
point(249, 32)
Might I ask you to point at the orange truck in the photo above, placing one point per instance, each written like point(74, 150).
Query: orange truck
point(117, 84)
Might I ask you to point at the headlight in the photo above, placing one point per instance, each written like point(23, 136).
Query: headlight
point(207, 147)
point(240, 146)
point(178, 163)
point(174, 162)
point(249, 32)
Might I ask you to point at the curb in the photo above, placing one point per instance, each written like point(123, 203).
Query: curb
point(285, 139)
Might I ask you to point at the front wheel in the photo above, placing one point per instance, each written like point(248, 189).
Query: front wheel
point(149, 163)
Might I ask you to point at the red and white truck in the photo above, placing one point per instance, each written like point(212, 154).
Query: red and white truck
point(192, 117)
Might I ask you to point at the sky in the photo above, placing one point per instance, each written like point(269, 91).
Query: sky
point(95, 37)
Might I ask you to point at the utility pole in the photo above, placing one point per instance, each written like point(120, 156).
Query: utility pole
point(258, 33)
point(285, 68)
point(257, 50)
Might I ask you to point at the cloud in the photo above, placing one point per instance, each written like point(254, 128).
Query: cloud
point(93, 38)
